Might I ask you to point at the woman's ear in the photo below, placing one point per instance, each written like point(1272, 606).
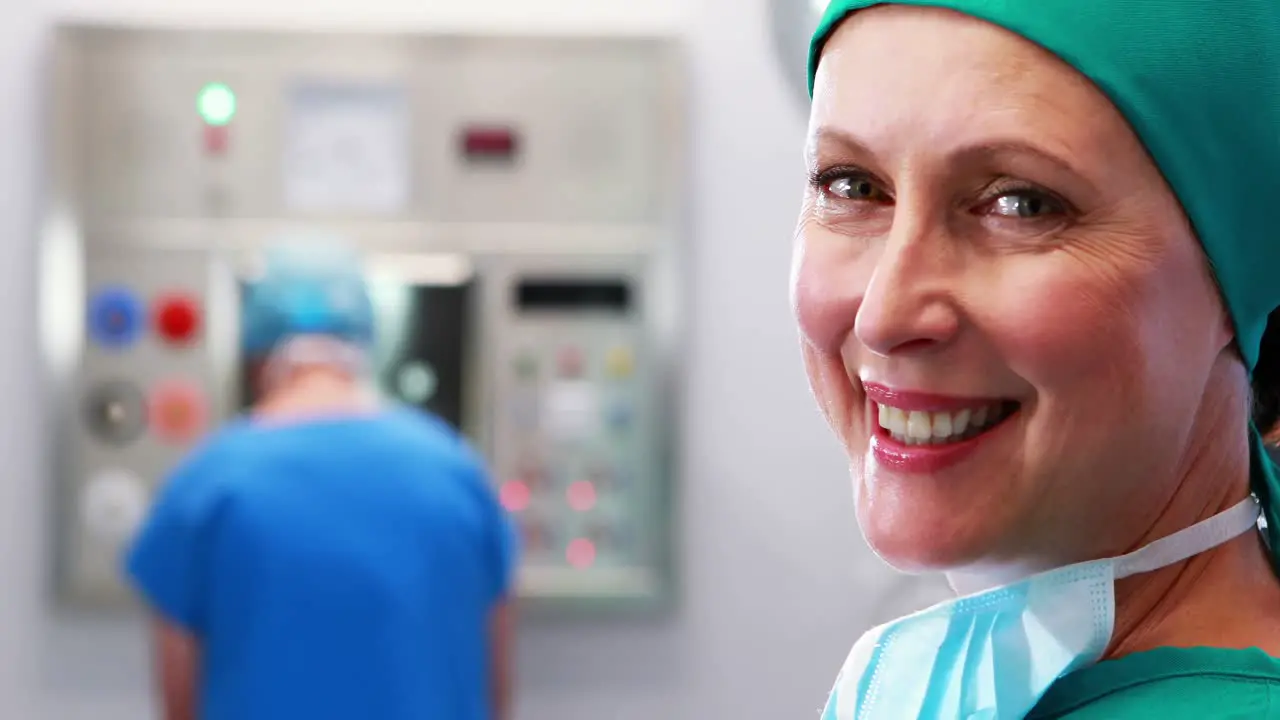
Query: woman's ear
point(1228, 326)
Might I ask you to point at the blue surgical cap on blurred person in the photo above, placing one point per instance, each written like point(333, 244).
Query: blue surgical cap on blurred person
point(309, 286)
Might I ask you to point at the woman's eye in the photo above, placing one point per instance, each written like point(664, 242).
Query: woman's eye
point(1026, 205)
point(855, 188)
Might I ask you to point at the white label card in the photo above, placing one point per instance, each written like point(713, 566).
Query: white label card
point(571, 410)
point(347, 149)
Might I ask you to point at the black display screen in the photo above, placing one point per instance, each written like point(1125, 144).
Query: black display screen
point(567, 295)
point(434, 335)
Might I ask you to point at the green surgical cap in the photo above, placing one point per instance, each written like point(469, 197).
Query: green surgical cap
point(1199, 81)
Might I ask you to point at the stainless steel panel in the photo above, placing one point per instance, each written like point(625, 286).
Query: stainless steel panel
point(139, 202)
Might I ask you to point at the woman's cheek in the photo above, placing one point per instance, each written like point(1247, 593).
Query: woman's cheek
point(827, 289)
point(1071, 335)
point(829, 278)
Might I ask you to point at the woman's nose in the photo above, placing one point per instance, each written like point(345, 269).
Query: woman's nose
point(908, 306)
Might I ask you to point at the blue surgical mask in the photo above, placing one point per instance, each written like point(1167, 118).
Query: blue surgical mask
point(993, 654)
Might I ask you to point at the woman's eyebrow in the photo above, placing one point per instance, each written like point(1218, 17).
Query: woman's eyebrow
point(828, 139)
point(997, 151)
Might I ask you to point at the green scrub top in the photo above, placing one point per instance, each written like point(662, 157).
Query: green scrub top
point(1169, 684)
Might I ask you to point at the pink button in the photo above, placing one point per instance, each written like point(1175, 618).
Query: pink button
point(178, 411)
point(582, 496)
point(515, 496)
point(581, 553)
point(570, 362)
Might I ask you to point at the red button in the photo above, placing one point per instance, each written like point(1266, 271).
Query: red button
point(177, 411)
point(177, 319)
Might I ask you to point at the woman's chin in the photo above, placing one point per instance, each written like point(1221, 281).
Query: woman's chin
point(934, 524)
point(915, 546)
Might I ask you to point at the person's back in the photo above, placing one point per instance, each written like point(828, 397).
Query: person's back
point(326, 558)
point(340, 567)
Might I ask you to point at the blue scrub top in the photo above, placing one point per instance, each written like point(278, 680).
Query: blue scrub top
point(342, 568)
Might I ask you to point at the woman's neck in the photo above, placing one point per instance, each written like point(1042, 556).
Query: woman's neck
point(1226, 597)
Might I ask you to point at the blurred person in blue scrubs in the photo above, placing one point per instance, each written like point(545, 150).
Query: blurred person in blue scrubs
point(327, 557)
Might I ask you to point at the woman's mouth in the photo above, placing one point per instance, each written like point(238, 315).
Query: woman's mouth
point(923, 427)
point(924, 433)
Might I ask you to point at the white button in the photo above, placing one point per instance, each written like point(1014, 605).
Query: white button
point(112, 505)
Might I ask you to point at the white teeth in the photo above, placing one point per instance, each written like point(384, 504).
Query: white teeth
point(922, 428)
point(918, 426)
point(942, 426)
point(897, 422)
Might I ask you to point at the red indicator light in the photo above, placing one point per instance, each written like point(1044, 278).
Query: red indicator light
point(215, 139)
point(489, 143)
point(581, 553)
point(514, 496)
point(177, 319)
point(582, 496)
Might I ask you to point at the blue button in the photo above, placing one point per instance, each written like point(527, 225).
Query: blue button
point(620, 417)
point(115, 317)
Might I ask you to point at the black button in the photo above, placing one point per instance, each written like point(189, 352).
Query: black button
point(116, 412)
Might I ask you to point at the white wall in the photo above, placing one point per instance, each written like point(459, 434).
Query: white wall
point(776, 582)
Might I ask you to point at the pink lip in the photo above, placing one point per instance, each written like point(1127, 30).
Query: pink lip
point(923, 402)
point(925, 459)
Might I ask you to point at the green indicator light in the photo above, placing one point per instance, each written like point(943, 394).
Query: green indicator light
point(216, 104)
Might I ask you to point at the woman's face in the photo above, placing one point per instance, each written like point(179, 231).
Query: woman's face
point(1005, 315)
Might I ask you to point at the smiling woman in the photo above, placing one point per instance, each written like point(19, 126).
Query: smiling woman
point(1033, 276)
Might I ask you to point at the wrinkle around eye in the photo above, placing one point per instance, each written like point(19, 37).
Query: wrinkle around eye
point(1114, 249)
point(862, 226)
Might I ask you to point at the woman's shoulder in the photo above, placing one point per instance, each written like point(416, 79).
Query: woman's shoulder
point(1172, 684)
